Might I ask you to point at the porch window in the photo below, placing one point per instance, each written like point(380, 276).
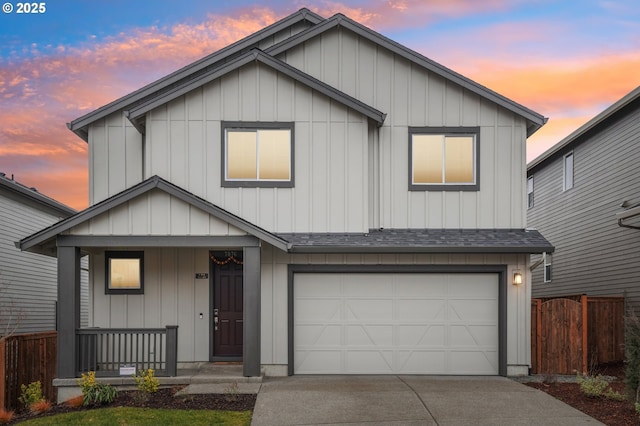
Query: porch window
point(444, 159)
point(257, 154)
point(124, 272)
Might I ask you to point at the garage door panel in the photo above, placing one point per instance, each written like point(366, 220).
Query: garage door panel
point(325, 285)
point(368, 309)
point(318, 335)
point(424, 336)
point(370, 335)
point(421, 309)
point(396, 324)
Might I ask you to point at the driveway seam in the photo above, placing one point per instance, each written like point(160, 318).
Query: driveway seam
point(420, 398)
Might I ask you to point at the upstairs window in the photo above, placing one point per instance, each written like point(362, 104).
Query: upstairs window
point(444, 159)
point(257, 154)
point(568, 172)
point(530, 192)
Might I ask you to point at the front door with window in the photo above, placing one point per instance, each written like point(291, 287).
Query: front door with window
point(226, 327)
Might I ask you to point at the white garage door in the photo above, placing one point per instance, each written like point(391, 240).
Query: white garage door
point(403, 323)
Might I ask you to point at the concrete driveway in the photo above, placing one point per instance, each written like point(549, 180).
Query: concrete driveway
point(408, 400)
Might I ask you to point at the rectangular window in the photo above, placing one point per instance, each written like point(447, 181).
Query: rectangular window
point(530, 192)
point(124, 272)
point(568, 171)
point(547, 268)
point(257, 154)
point(444, 159)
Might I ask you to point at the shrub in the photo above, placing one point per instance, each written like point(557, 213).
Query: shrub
point(146, 381)
point(632, 353)
point(30, 394)
point(95, 392)
point(5, 416)
point(232, 392)
point(75, 402)
point(40, 407)
point(592, 386)
point(614, 395)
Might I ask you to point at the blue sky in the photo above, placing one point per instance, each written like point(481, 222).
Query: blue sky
point(566, 60)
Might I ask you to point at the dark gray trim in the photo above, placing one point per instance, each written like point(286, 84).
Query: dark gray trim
point(338, 249)
point(258, 56)
point(251, 304)
point(446, 131)
point(41, 237)
point(30, 195)
point(582, 132)
point(79, 125)
point(68, 311)
point(501, 270)
point(107, 271)
point(256, 125)
point(108, 241)
point(535, 120)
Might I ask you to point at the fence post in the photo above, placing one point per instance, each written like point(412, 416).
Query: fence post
point(172, 350)
point(3, 372)
point(585, 355)
point(538, 335)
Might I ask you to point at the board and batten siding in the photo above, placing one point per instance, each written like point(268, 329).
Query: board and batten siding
point(28, 281)
point(172, 296)
point(593, 255)
point(155, 213)
point(412, 96)
point(274, 295)
point(183, 145)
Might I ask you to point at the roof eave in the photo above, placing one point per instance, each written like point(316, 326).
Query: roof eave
point(338, 249)
point(78, 126)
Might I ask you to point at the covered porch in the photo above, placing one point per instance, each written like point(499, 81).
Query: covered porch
point(170, 319)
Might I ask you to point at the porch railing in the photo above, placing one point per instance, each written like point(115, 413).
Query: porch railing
point(105, 350)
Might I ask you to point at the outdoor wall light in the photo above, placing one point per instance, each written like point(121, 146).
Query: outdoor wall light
point(517, 278)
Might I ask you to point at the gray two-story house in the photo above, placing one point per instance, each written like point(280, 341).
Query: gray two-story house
point(584, 196)
point(312, 199)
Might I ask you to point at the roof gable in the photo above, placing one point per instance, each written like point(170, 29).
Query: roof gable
point(41, 201)
point(534, 120)
point(79, 125)
point(136, 114)
point(155, 182)
point(596, 122)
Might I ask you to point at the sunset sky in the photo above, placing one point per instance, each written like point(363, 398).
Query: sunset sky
point(567, 60)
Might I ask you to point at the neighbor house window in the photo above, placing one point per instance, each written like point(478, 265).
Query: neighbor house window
point(568, 171)
point(547, 268)
point(124, 272)
point(257, 154)
point(444, 159)
point(530, 192)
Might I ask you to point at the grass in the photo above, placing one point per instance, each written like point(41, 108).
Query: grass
point(124, 416)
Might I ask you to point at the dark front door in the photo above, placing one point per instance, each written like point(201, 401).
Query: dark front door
point(227, 304)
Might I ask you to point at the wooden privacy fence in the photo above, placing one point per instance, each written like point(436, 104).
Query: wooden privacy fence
point(26, 358)
point(568, 334)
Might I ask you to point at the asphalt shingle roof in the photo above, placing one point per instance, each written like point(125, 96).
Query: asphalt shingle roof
point(422, 240)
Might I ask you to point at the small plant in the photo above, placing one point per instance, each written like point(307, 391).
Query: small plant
point(95, 392)
point(232, 392)
point(637, 405)
point(40, 407)
point(592, 386)
point(614, 395)
point(146, 381)
point(31, 393)
point(5, 416)
point(75, 402)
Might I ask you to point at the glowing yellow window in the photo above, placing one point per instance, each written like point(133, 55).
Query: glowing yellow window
point(124, 272)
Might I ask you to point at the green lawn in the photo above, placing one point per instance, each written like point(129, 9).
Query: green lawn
point(124, 416)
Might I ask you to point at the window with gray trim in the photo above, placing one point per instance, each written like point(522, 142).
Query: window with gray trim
point(530, 192)
point(124, 272)
point(257, 154)
point(444, 158)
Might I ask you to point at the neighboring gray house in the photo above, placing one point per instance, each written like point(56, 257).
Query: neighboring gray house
point(28, 282)
point(584, 196)
point(314, 198)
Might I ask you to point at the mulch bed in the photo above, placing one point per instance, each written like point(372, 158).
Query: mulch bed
point(164, 398)
point(607, 411)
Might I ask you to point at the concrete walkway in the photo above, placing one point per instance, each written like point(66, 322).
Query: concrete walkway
point(408, 400)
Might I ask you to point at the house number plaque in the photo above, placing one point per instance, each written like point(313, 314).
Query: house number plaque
point(202, 275)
